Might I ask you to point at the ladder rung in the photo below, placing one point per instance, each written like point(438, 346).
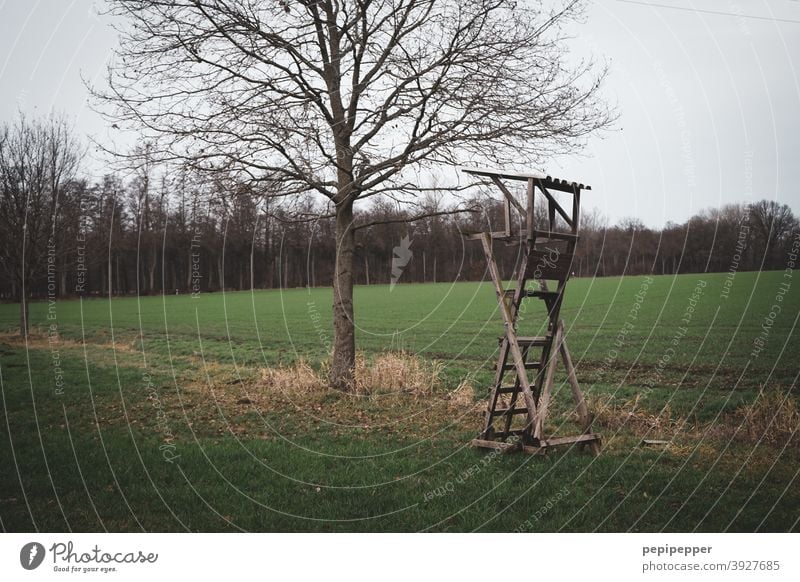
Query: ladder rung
point(531, 341)
point(544, 294)
point(533, 293)
point(536, 341)
point(497, 235)
point(511, 366)
point(545, 237)
point(528, 366)
point(511, 389)
point(526, 293)
point(509, 411)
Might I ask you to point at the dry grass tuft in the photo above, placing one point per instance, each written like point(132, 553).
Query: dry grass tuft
point(609, 414)
point(39, 339)
point(299, 378)
point(386, 373)
point(772, 418)
point(463, 397)
point(392, 372)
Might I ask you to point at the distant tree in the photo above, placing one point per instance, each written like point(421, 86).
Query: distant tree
point(593, 227)
point(632, 225)
point(38, 159)
point(772, 222)
point(350, 98)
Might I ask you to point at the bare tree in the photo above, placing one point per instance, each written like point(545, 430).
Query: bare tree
point(350, 98)
point(771, 221)
point(38, 158)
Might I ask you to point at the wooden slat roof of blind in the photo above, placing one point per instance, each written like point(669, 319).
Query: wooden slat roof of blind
point(545, 179)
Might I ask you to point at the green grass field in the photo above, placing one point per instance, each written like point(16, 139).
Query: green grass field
point(150, 413)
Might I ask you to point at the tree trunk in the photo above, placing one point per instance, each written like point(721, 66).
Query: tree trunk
point(24, 319)
point(342, 375)
point(152, 271)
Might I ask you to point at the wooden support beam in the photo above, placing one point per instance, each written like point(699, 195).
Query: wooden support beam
point(551, 443)
point(508, 195)
point(554, 205)
point(584, 418)
point(530, 219)
point(547, 385)
point(507, 217)
point(576, 210)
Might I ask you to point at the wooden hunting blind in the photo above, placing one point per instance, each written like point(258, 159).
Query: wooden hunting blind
point(546, 254)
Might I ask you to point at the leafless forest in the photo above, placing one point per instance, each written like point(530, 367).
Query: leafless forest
point(149, 234)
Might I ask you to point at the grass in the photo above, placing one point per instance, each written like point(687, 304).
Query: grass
point(175, 413)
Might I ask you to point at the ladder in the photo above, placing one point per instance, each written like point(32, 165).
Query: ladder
point(525, 370)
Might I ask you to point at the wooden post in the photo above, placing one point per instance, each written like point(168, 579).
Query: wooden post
point(584, 418)
point(530, 220)
point(547, 386)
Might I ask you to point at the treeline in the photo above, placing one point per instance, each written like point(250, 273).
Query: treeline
point(182, 235)
point(180, 231)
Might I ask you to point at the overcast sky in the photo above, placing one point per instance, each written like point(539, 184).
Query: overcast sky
point(708, 93)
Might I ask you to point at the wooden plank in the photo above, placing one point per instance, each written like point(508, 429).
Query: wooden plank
point(584, 417)
point(549, 265)
point(551, 443)
point(498, 234)
point(654, 443)
point(530, 218)
point(572, 378)
point(569, 440)
point(496, 445)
